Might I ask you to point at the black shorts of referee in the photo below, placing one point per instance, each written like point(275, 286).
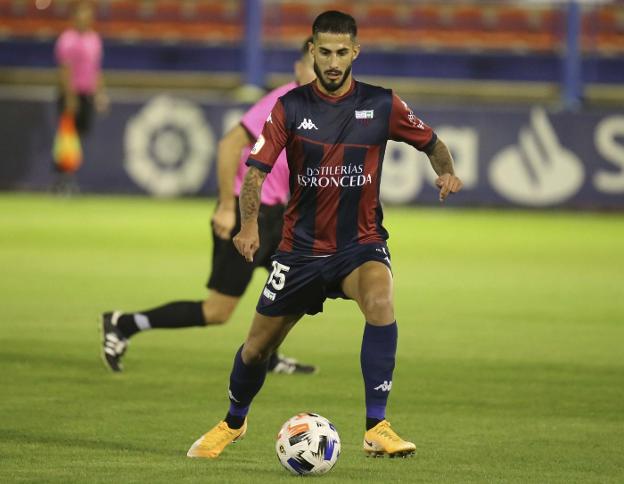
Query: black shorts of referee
point(231, 273)
point(84, 113)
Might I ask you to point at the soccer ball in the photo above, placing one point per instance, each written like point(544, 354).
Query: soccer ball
point(308, 444)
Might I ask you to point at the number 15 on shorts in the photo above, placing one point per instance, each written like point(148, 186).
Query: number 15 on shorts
point(277, 279)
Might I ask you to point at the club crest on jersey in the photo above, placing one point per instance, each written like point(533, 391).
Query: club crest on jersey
point(364, 117)
point(307, 124)
point(368, 114)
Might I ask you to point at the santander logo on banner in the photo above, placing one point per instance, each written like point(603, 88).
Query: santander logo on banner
point(538, 170)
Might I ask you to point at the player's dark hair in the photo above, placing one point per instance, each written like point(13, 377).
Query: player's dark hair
point(335, 22)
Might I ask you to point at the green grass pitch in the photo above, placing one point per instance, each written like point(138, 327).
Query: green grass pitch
point(510, 365)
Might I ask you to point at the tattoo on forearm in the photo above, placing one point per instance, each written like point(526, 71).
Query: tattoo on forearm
point(250, 194)
point(441, 159)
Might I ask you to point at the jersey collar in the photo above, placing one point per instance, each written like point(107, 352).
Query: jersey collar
point(332, 99)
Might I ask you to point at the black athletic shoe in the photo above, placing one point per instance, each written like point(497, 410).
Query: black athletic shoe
point(114, 344)
point(290, 366)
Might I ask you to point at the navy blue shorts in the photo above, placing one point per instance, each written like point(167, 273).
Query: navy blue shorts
point(300, 284)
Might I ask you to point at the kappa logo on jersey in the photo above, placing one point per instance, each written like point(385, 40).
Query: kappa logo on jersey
point(386, 386)
point(258, 146)
point(307, 124)
point(414, 121)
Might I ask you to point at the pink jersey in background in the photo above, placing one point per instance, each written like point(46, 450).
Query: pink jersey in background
point(275, 189)
point(82, 52)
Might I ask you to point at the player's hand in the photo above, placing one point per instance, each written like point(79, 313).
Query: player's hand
point(448, 184)
point(223, 222)
point(247, 241)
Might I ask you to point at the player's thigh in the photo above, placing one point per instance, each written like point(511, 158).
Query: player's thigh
point(265, 335)
point(371, 286)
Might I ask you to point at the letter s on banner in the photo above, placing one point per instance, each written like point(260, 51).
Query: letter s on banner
point(605, 137)
point(537, 171)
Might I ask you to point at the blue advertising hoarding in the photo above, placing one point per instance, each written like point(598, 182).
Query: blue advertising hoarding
point(167, 145)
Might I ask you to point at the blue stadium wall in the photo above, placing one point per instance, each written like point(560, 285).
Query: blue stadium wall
point(166, 146)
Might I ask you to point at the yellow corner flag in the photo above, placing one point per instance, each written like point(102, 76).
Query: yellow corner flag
point(67, 151)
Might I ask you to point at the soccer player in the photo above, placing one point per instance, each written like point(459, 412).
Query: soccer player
point(230, 274)
point(333, 242)
point(78, 52)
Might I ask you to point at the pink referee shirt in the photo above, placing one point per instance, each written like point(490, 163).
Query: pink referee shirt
point(275, 189)
point(82, 52)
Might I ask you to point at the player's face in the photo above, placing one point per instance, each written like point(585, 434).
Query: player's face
point(333, 56)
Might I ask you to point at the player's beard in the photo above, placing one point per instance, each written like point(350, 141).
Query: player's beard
point(331, 86)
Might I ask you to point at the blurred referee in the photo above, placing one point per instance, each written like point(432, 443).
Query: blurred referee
point(230, 274)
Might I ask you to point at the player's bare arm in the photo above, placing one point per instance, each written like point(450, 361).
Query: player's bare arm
point(247, 240)
point(230, 147)
point(442, 163)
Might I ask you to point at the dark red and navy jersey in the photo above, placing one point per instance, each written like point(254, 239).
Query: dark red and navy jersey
point(335, 149)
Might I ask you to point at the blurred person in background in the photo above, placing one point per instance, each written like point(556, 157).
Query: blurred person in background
point(231, 274)
point(78, 52)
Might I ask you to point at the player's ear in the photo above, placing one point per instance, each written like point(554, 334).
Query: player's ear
point(356, 51)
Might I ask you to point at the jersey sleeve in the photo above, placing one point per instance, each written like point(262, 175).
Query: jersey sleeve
point(271, 141)
point(407, 127)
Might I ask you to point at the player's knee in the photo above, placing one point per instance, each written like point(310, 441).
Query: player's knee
point(253, 354)
point(215, 314)
point(378, 306)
